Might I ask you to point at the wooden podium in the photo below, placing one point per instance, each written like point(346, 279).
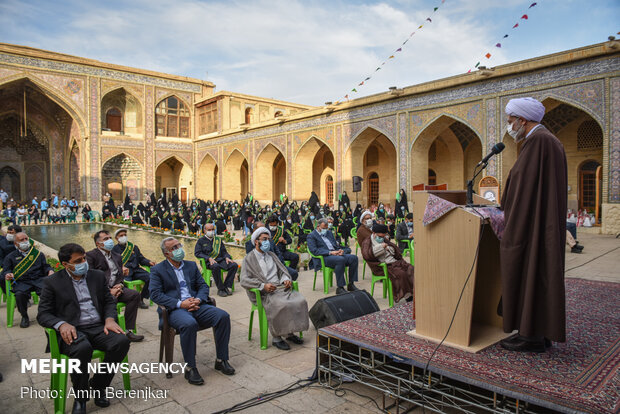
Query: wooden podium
point(444, 255)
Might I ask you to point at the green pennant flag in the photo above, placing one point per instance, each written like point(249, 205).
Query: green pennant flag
point(353, 90)
point(477, 64)
point(435, 9)
point(398, 196)
point(340, 197)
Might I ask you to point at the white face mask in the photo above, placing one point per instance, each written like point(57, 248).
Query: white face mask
point(369, 223)
point(122, 240)
point(209, 234)
point(24, 246)
point(273, 228)
point(10, 237)
point(516, 135)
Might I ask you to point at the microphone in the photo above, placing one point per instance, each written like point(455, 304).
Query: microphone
point(497, 148)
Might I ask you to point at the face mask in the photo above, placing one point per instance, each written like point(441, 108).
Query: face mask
point(321, 211)
point(311, 217)
point(389, 223)
point(265, 246)
point(402, 207)
point(24, 246)
point(80, 269)
point(369, 223)
point(516, 135)
point(273, 228)
point(209, 234)
point(122, 240)
point(330, 225)
point(10, 237)
point(341, 209)
point(108, 244)
point(323, 232)
point(379, 239)
point(410, 223)
point(288, 221)
point(178, 254)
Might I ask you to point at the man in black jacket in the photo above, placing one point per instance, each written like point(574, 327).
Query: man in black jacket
point(77, 303)
point(132, 259)
point(217, 259)
point(103, 258)
point(404, 231)
point(26, 267)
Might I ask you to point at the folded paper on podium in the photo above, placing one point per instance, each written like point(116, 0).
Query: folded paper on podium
point(446, 234)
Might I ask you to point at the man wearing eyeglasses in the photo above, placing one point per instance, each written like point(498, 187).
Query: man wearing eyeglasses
point(178, 285)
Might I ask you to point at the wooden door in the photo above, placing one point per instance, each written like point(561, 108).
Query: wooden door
point(373, 189)
point(329, 190)
point(183, 195)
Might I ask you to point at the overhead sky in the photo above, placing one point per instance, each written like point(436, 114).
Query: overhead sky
point(307, 51)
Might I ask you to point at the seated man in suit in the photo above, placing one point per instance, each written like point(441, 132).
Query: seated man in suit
point(103, 258)
point(7, 244)
point(178, 285)
point(321, 242)
point(282, 240)
point(249, 246)
point(286, 309)
point(27, 268)
point(132, 259)
point(77, 303)
point(404, 231)
point(213, 250)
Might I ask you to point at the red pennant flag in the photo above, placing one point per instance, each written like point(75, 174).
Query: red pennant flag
point(498, 45)
point(532, 5)
point(469, 71)
point(524, 17)
point(361, 83)
point(488, 55)
point(515, 26)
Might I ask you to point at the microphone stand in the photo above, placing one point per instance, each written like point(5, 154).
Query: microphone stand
point(470, 183)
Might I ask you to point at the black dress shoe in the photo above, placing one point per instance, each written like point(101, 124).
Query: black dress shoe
point(193, 377)
point(102, 401)
point(24, 323)
point(341, 291)
point(281, 345)
point(225, 367)
point(143, 305)
point(351, 287)
point(229, 292)
point(222, 293)
point(79, 407)
point(295, 339)
point(576, 248)
point(521, 345)
point(133, 337)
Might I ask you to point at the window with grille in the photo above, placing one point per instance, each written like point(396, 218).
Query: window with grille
point(172, 118)
point(589, 136)
point(329, 189)
point(208, 118)
point(373, 189)
point(432, 152)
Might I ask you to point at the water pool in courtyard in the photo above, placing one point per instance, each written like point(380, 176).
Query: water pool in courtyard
point(55, 236)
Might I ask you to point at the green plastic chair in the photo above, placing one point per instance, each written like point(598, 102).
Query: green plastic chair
point(328, 273)
point(263, 324)
point(71, 217)
point(207, 274)
point(137, 285)
point(58, 380)
point(354, 235)
point(11, 304)
point(409, 251)
point(387, 285)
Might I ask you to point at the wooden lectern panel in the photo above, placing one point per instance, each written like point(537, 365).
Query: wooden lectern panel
point(445, 253)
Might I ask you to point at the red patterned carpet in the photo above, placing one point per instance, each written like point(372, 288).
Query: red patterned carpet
point(581, 375)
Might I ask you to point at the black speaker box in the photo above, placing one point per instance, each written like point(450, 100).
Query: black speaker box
point(340, 308)
point(357, 184)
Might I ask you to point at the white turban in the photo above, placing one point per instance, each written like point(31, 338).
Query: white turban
point(258, 232)
point(527, 108)
point(365, 213)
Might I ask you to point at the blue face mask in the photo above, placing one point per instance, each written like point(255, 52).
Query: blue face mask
point(311, 217)
point(410, 223)
point(379, 239)
point(108, 244)
point(80, 269)
point(265, 246)
point(323, 232)
point(178, 254)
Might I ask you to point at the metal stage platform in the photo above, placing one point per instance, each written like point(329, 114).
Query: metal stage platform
point(406, 387)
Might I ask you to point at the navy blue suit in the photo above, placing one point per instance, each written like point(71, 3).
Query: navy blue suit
point(166, 291)
point(203, 249)
point(317, 247)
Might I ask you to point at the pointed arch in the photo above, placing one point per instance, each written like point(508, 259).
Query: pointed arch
point(236, 176)
point(372, 152)
point(173, 175)
point(130, 111)
point(316, 157)
point(173, 117)
point(270, 170)
point(207, 178)
point(450, 147)
point(121, 175)
point(54, 95)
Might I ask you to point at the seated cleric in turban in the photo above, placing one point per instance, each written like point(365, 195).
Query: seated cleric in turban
point(532, 248)
point(286, 309)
